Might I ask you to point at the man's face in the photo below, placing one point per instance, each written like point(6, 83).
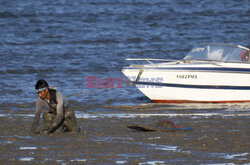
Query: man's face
point(43, 94)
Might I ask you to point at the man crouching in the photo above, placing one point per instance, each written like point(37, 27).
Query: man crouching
point(59, 117)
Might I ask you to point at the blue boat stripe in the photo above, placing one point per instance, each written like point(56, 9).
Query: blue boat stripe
point(197, 69)
point(193, 86)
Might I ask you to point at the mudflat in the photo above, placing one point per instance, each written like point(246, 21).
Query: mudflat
point(219, 138)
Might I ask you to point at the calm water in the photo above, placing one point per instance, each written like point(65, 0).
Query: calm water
point(66, 41)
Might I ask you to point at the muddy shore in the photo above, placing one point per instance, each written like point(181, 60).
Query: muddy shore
point(218, 138)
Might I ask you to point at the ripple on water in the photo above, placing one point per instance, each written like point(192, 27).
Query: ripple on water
point(26, 158)
point(27, 148)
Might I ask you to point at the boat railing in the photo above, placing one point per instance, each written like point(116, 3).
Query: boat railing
point(149, 60)
point(243, 47)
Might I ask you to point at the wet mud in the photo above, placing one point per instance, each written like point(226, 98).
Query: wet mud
point(104, 138)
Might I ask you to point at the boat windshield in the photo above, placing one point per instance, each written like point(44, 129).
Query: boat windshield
point(219, 52)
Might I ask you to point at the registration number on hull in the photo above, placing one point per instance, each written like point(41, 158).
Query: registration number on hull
point(187, 76)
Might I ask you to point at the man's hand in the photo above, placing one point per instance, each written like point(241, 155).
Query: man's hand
point(46, 131)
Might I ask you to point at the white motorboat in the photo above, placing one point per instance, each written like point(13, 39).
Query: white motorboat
point(211, 73)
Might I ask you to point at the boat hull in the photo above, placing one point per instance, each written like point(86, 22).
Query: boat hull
point(192, 84)
point(184, 95)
